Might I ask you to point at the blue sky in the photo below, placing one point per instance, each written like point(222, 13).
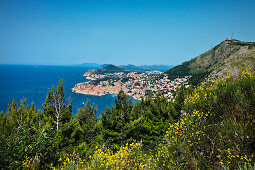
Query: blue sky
point(119, 31)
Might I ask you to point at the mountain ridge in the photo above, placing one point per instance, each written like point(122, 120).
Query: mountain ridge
point(230, 56)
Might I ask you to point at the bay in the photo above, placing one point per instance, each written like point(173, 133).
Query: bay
point(33, 82)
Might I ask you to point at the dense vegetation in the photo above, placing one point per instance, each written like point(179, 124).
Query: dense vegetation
point(185, 70)
point(208, 127)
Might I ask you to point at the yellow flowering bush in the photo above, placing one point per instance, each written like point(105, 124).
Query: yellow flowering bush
point(31, 163)
point(129, 156)
point(182, 146)
point(216, 127)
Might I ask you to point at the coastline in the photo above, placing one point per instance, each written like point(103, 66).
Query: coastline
point(102, 93)
point(93, 93)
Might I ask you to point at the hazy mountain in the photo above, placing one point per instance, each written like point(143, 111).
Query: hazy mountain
point(230, 56)
point(131, 67)
point(89, 65)
point(107, 68)
point(156, 67)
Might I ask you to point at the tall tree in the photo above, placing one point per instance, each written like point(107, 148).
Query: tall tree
point(55, 105)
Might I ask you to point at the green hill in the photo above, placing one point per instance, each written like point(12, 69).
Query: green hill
point(230, 56)
point(109, 69)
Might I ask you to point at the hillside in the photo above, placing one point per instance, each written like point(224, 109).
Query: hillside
point(230, 56)
point(110, 69)
point(130, 67)
point(208, 127)
point(89, 65)
point(107, 68)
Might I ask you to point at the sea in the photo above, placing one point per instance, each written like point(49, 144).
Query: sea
point(33, 81)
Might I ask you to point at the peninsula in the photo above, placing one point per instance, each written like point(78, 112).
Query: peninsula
point(111, 79)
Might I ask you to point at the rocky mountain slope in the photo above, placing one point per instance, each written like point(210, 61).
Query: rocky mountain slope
point(230, 56)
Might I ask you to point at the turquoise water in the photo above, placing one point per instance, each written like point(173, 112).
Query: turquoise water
point(32, 82)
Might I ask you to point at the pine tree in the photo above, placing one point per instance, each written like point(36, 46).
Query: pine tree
point(85, 122)
point(116, 119)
